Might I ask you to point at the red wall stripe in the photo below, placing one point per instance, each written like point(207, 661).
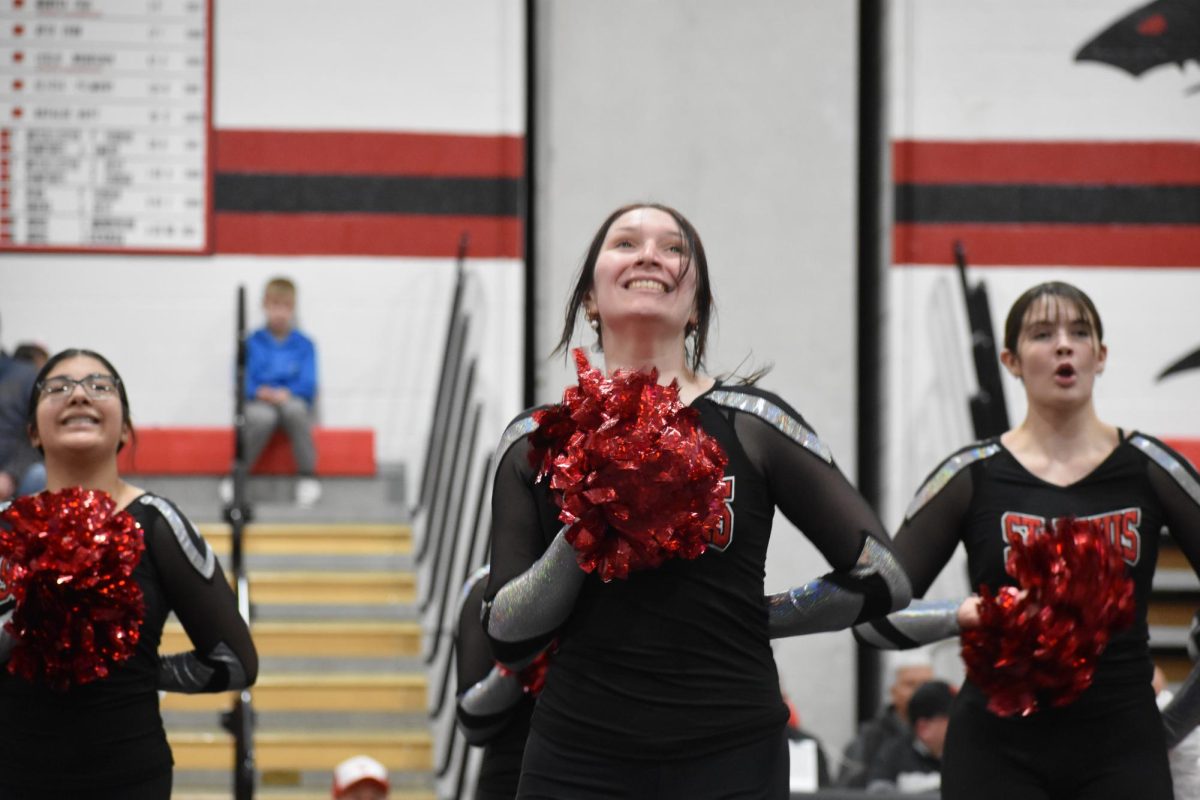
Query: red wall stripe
point(1050, 245)
point(368, 153)
point(365, 234)
point(1046, 162)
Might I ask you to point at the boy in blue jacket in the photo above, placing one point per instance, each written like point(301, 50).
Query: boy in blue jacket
point(281, 384)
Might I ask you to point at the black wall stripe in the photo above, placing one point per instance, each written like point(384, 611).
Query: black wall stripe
point(1145, 205)
point(346, 194)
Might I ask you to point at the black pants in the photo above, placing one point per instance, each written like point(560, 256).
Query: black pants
point(755, 771)
point(1113, 748)
point(158, 788)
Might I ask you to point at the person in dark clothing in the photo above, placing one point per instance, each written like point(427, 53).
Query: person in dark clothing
point(913, 764)
point(32, 352)
point(891, 723)
point(1061, 462)
point(104, 740)
point(664, 684)
point(20, 465)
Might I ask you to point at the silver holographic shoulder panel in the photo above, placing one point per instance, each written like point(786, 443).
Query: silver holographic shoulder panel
point(774, 416)
point(1170, 463)
point(946, 472)
point(514, 433)
point(204, 562)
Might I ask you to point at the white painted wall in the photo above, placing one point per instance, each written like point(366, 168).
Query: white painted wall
point(1004, 69)
point(742, 116)
point(454, 66)
point(168, 325)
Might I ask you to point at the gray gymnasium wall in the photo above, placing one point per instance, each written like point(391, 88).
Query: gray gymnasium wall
point(742, 115)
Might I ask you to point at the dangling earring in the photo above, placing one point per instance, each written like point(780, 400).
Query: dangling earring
point(593, 320)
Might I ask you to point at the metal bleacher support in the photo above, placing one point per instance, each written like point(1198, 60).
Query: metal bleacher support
point(450, 526)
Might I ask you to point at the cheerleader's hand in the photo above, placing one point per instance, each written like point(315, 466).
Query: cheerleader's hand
point(968, 613)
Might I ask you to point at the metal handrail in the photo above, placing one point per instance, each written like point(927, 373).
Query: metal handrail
point(435, 430)
point(446, 497)
point(989, 415)
point(240, 719)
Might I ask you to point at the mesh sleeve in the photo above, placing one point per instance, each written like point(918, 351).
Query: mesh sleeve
point(923, 545)
point(926, 540)
point(524, 523)
point(812, 493)
point(1181, 508)
point(1179, 493)
point(474, 652)
point(817, 498)
point(224, 656)
point(486, 697)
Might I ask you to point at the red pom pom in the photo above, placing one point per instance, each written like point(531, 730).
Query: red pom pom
point(634, 475)
point(533, 676)
point(67, 560)
point(1039, 643)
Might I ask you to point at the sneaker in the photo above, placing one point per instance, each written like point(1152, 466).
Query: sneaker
point(225, 490)
point(308, 492)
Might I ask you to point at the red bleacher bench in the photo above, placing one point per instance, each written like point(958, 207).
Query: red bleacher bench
point(341, 452)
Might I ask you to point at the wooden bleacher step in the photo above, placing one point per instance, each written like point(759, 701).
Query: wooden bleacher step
point(387, 693)
point(372, 639)
point(399, 751)
point(331, 588)
point(315, 538)
point(335, 679)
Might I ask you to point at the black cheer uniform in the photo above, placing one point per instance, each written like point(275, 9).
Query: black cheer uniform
point(1109, 743)
point(105, 739)
point(675, 662)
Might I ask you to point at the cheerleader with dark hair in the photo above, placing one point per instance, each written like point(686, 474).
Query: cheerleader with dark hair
point(95, 730)
point(662, 683)
point(1061, 463)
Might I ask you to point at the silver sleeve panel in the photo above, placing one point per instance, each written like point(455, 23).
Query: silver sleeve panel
point(193, 545)
point(949, 468)
point(776, 417)
point(190, 673)
point(1168, 462)
point(483, 709)
point(537, 601)
point(472, 581)
point(877, 560)
point(1182, 714)
point(923, 622)
point(516, 430)
point(816, 607)
point(877, 584)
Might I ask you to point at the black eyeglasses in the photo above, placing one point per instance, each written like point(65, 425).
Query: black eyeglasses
point(96, 386)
